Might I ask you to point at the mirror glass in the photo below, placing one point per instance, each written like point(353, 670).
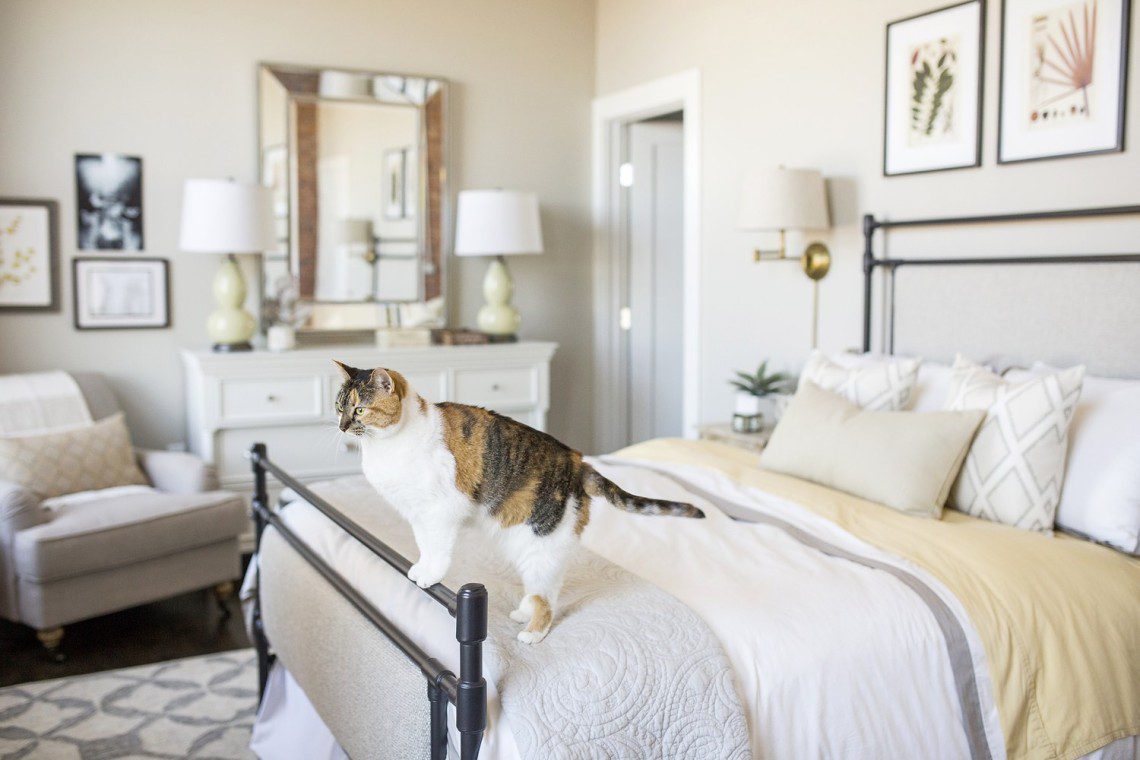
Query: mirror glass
point(356, 162)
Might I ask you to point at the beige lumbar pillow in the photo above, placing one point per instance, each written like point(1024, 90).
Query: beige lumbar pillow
point(60, 462)
point(1015, 468)
point(905, 460)
point(887, 383)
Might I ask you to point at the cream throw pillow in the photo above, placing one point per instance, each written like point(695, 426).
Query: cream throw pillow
point(65, 461)
point(906, 460)
point(1016, 465)
point(873, 384)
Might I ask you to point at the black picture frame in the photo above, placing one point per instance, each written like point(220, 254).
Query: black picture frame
point(52, 207)
point(76, 284)
point(977, 162)
point(1125, 25)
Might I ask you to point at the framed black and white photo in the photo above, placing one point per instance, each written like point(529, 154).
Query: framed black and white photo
point(108, 202)
point(395, 183)
point(116, 294)
point(932, 118)
point(29, 255)
point(1063, 76)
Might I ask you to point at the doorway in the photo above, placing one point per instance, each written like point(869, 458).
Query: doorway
point(653, 179)
point(646, 194)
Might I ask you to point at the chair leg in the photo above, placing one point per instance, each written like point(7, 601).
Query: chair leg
point(51, 639)
point(223, 593)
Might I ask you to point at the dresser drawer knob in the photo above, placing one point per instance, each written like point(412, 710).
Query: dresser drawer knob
point(271, 398)
point(495, 386)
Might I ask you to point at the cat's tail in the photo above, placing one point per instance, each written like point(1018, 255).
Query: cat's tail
point(602, 487)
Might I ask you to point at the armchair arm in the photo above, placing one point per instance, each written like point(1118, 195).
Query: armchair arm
point(19, 509)
point(177, 471)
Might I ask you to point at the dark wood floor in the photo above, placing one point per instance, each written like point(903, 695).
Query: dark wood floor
point(183, 626)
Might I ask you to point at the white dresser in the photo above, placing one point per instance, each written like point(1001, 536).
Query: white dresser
point(285, 400)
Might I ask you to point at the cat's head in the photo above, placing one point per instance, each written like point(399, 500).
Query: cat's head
point(370, 399)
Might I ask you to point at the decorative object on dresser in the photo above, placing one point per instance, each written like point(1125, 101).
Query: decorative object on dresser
point(497, 223)
point(108, 202)
point(753, 391)
point(29, 254)
point(117, 527)
point(724, 432)
point(286, 400)
point(1063, 78)
point(932, 118)
point(778, 200)
point(227, 217)
point(120, 293)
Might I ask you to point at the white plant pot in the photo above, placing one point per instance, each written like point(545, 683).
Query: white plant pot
point(747, 404)
point(280, 338)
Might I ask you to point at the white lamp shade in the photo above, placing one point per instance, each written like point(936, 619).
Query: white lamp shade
point(497, 222)
point(226, 216)
point(783, 199)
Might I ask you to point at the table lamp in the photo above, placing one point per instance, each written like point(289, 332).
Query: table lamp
point(497, 223)
point(778, 200)
point(228, 217)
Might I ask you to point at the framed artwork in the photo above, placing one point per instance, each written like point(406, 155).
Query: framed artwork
point(1063, 79)
point(108, 202)
point(395, 183)
point(117, 294)
point(29, 255)
point(932, 116)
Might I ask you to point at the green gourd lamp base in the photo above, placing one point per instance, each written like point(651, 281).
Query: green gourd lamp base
point(230, 327)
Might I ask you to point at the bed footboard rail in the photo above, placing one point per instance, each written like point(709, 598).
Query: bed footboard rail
point(467, 691)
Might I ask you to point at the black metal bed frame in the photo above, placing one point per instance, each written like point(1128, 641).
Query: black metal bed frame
point(891, 265)
point(468, 691)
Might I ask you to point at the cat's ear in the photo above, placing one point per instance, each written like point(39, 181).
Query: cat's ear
point(381, 380)
point(346, 371)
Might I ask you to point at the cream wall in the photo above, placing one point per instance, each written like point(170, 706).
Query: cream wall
point(801, 84)
point(175, 83)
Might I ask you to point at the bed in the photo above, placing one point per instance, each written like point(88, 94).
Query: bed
point(796, 621)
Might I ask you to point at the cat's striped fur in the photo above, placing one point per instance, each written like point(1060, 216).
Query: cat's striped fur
point(441, 465)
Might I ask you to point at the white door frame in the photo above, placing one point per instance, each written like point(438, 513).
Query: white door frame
point(679, 92)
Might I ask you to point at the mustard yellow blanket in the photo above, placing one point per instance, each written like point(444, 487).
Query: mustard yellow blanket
point(1059, 617)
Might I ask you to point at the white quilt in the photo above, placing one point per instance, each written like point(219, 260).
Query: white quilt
point(832, 658)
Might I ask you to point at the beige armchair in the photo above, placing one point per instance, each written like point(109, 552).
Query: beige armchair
point(120, 550)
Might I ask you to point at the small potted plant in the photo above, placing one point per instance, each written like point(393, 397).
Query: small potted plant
point(756, 391)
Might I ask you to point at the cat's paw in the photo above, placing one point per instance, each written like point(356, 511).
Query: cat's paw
point(519, 616)
point(531, 637)
point(425, 574)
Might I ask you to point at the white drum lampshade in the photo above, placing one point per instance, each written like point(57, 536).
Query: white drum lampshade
point(497, 223)
point(226, 217)
point(783, 199)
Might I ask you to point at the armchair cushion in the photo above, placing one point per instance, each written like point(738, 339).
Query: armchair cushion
point(177, 471)
point(124, 527)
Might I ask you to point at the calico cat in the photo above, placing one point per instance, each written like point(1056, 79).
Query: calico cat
point(441, 465)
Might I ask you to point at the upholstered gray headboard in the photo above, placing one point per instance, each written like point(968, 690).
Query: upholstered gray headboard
point(1075, 299)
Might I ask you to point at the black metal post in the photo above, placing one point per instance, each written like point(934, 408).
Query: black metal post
point(869, 226)
point(438, 699)
point(471, 691)
point(257, 456)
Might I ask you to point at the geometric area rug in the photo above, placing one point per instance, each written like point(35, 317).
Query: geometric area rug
point(200, 707)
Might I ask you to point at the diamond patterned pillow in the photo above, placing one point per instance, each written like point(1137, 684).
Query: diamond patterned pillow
point(1016, 464)
point(60, 462)
point(884, 385)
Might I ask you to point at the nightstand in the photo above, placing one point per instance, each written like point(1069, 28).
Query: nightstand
point(722, 432)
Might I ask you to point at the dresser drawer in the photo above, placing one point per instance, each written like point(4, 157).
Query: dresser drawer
point(276, 398)
point(497, 387)
point(305, 451)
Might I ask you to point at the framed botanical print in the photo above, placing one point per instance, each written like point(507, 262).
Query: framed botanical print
point(119, 293)
point(395, 183)
point(1063, 77)
point(932, 117)
point(29, 255)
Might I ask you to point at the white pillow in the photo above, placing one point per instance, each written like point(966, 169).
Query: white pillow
point(876, 385)
point(1100, 499)
point(929, 388)
point(1016, 464)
